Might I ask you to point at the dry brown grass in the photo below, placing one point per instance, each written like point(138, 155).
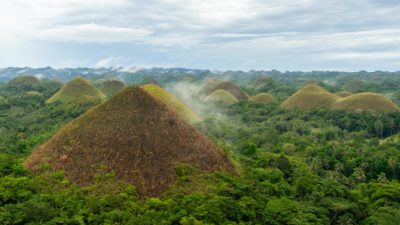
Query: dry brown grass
point(133, 134)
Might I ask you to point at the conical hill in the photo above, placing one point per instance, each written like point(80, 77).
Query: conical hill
point(135, 135)
point(221, 97)
point(311, 96)
point(366, 101)
point(75, 90)
point(230, 87)
point(263, 98)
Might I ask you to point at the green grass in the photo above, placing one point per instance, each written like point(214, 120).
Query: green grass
point(221, 97)
point(172, 101)
point(74, 90)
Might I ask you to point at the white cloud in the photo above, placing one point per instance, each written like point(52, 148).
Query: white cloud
point(202, 33)
point(107, 62)
point(89, 33)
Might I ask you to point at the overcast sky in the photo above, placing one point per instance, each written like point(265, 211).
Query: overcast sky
point(307, 35)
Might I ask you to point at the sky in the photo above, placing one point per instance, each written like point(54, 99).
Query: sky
point(345, 35)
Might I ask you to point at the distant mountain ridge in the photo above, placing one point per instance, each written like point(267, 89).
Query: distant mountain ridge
point(137, 74)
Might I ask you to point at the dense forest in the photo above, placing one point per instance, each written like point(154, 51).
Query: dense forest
point(316, 166)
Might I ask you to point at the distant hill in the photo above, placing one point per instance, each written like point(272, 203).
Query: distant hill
point(231, 88)
point(135, 135)
point(75, 90)
point(111, 87)
point(343, 94)
point(366, 101)
point(311, 96)
point(29, 81)
point(263, 98)
point(209, 85)
point(221, 97)
point(172, 101)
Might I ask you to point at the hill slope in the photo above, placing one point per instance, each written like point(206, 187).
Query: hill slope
point(263, 98)
point(343, 94)
point(221, 97)
point(75, 89)
point(231, 88)
point(366, 101)
point(111, 87)
point(133, 134)
point(311, 96)
point(172, 101)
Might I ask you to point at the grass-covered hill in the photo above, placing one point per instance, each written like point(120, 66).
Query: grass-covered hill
point(263, 98)
point(172, 101)
point(231, 88)
point(310, 96)
point(221, 97)
point(343, 94)
point(77, 90)
point(366, 101)
point(134, 134)
point(210, 84)
point(111, 87)
point(27, 81)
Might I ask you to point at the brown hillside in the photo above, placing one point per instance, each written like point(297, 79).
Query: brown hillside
point(343, 94)
point(133, 134)
point(311, 96)
point(231, 88)
point(366, 101)
point(263, 98)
